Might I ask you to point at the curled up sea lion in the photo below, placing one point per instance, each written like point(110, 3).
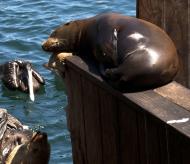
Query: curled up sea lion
point(18, 74)
point(131, 53)
point(18, 144)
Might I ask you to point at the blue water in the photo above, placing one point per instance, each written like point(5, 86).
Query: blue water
point(23, 27)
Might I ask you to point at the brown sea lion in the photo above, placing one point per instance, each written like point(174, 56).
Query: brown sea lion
point(18, 144)
point(132, 53)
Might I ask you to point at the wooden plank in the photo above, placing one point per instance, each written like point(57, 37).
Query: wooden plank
point(75, 116)
point(162, 109)
point(173, 17)
point(151, 10)
point(128, 134)
point(178, 147)
point(142, 137)
point(110, 129)
point(93, 122)
point(176, 93)
point(156, 141)
point(176, 25)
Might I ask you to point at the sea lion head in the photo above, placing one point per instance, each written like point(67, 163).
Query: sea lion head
point(64, 38)
point(37, 150)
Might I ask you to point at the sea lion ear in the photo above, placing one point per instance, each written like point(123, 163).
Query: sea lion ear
point(68, 23)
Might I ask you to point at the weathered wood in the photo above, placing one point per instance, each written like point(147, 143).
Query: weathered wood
point(157, 141)
point(92, 122)
point(173, 17)
point(175, 93)
point(111, 127)
point(151, 10)
point(75, 117)
point(128, 134)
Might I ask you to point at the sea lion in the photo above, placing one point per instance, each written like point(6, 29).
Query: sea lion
point(18, 144)
point(130, 52)
point(18, 74)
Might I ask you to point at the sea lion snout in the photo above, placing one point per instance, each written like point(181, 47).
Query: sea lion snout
point(51, 44)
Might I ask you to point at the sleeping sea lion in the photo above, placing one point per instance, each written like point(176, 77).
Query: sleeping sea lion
point(131, 53)
point(18, 74)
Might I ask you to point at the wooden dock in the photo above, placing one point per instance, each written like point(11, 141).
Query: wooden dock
point(149, 127)
point(108, 127)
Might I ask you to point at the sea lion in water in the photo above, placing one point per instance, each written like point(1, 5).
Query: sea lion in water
point(20, 75)
point(18, 144)
point(131, 53)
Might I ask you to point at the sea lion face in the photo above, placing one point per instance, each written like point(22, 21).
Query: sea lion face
point(62, 39)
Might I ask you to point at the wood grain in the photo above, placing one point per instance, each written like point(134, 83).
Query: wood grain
point(173, 17)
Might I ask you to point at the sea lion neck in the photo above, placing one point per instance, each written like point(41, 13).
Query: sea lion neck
point(80, 28)
point(81, 35)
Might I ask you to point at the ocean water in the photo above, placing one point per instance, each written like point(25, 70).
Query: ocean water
point(24, 25)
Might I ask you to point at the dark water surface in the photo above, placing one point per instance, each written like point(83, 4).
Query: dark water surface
point(23, 27)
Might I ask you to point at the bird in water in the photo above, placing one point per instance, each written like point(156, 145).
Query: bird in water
point(18, 74)
point(18, 144)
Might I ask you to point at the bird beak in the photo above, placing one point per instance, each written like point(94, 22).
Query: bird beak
point(30, 82)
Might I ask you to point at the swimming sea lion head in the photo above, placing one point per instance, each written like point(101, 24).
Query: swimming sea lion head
point(64, 38)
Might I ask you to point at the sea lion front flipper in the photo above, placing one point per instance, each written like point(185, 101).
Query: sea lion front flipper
point(112, 73)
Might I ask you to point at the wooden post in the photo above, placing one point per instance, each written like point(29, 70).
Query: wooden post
point(108, 127)
point(174, 17)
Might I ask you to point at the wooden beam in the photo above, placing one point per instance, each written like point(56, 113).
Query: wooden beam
point(173, 17)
